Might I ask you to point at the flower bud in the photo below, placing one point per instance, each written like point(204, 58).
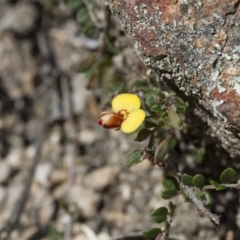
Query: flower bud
point(162, 149)
point(174, 119)
point(110, 120)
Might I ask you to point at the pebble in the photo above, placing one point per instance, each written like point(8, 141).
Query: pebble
point(58, 176)
point(42, 174)
point(103, 236)
point(100, 178)
point(14, 193)
point(3, 193)
point(88, 136)
point(60, 191)
point(64, 219)
point(5, 172)
point(14, 158)
point(79, 93)
point(88, 231)
point(20, 19)
point(85, 199)
point(28, 233)
point(80, 237)
point(46, 211)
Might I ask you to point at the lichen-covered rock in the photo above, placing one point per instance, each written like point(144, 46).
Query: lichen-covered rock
point(194, 46)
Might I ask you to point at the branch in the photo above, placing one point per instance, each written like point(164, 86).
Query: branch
point(202, 210)
point(138, 236)
point(70, 150)
point(233, 185)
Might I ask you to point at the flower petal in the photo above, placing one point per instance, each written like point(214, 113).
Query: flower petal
point(133, 121)
point(105, 113)
point(110, 120)
point(126, 101)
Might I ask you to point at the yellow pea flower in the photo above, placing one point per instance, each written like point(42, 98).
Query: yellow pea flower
point(126, 114)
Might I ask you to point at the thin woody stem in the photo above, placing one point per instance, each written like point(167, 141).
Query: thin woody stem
point(202, 210)
point(233, 185)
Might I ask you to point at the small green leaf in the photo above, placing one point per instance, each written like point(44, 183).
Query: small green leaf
point(110, 46)
point(161, 95)
point(173, 143)
point(157, 109)
point(170, 183)
point(107, 74)
point(180, 104)
point(143, 134)
point(168, 193)
point(208, 199)
point(199, 181)
point(74, 3)
point(149, 124)
point(154, 79)
point(159, 215)
point(150, 101)
point(152, 233)
point(205, 196)
point(174, 119)
point(164, 115)
point(217, 185)
point(200, 154)
point(229, 175)
point(141, 83)
point(54, 234)
point(114, 87)
point(172, 208)
point(90, 30)
point(186, 197)
point(134, 158)
point(82, 15)
point(187, 180)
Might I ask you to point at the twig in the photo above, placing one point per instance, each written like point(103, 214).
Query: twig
point(92, 14)
point(202, 210)
point(70, 132)
point(17, 211)
point(69, 127)
point(139, 236)
point(174, 168)
point(48, 73)
point(133, 236)
point(233, 185)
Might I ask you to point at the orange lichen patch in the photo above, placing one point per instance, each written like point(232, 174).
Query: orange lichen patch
point(200, 42)
point(194, 80)
point(145, 31)
point(221, 38)
point(145, 36)
point(231, 70)
point(171, 12)
point(229, 73)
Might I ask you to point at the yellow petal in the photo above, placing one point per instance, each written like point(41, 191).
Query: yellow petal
point(126, 101)
point(133, 121)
